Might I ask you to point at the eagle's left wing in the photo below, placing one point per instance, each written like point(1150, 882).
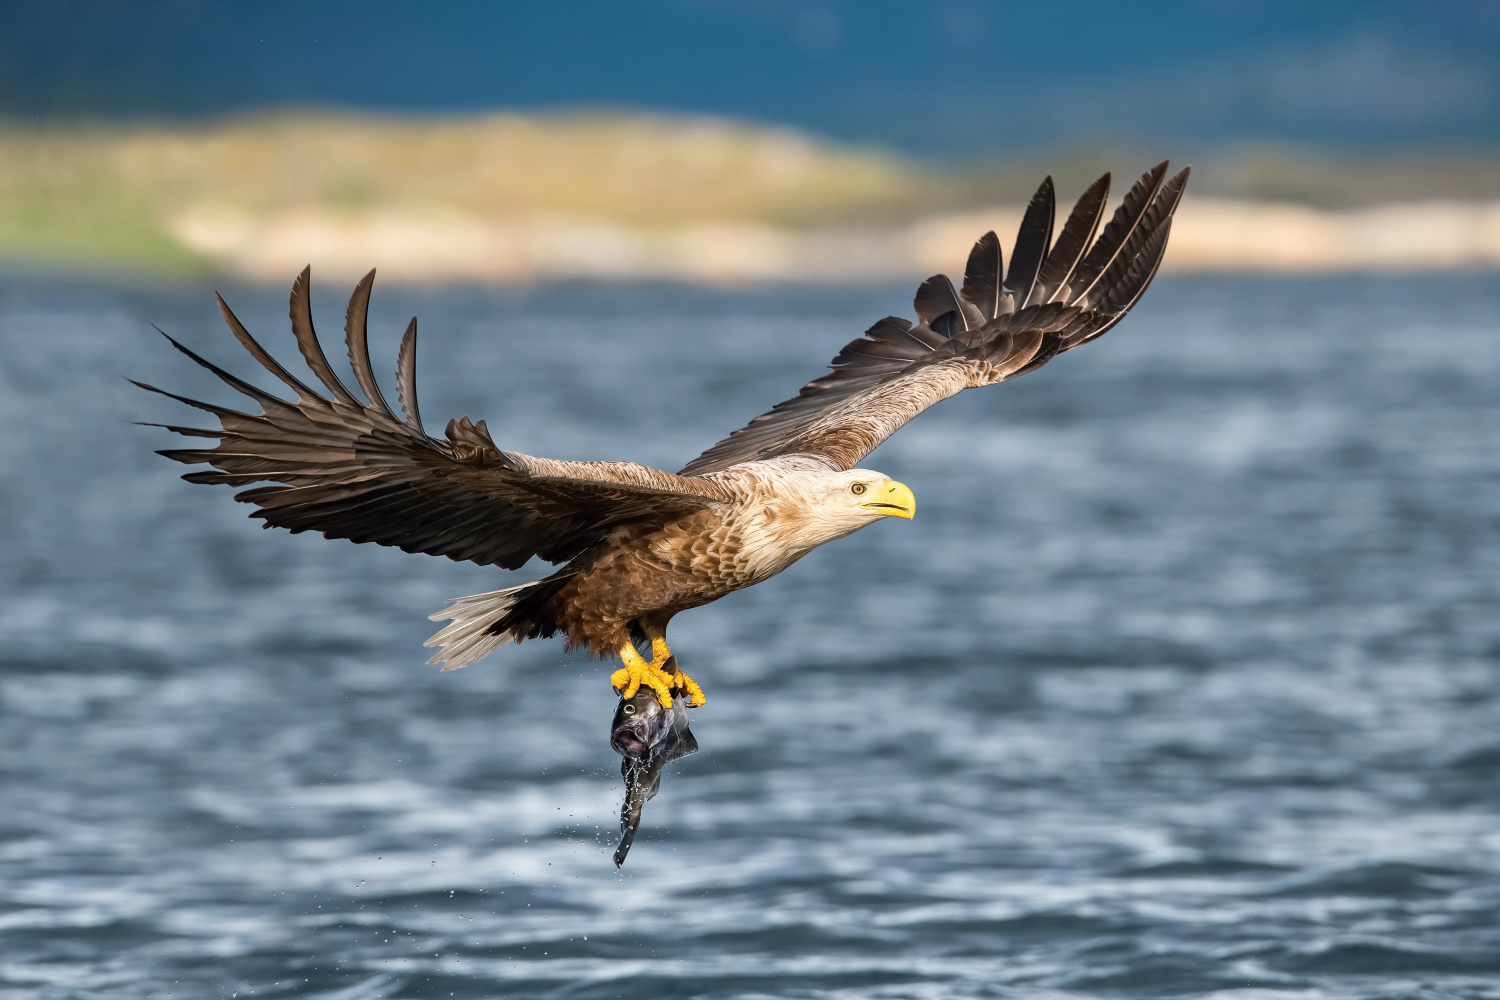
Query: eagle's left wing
point(356, 470)
point(1054, 297)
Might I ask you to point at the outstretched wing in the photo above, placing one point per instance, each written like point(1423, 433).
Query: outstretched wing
point(1054, 297)
point(357, 471)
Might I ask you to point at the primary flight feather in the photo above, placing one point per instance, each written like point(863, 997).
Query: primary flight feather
point(637, 544)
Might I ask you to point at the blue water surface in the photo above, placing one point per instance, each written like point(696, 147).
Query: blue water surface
point(1183, 682)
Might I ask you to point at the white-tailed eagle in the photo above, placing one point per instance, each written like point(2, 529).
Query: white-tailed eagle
point(637, 544)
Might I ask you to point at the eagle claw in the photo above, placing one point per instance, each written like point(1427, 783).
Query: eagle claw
point(637, 671)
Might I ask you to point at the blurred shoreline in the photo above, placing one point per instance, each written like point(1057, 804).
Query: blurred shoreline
point(1209, 235)
point(510, 199)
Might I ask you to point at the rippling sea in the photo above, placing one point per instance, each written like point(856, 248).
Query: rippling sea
point(1184, 681)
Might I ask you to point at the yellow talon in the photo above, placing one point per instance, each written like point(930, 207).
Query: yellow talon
point(636, 672)
point(696, 696)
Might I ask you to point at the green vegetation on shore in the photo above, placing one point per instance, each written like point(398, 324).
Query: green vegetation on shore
point(96, 196)
point(64, 202)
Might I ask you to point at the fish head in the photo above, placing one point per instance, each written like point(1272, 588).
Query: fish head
point(641, 723)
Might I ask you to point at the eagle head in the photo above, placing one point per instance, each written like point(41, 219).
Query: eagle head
point(874, 495)
point(840, 504)
point(795, 506)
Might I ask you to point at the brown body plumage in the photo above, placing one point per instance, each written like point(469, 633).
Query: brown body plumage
point(638, 545)
point(755, 528)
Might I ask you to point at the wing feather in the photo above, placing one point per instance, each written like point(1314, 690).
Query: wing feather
point(406, 377)
point(357, 341)
point(1032, 243)
point(305, 395)
point(1137, 264)
point(1061, 298)
point(307, 339)
point(265, 399)
point(1115, 235)
point(357, 472)
point(1133, 281)
point(1078, 232)
point(983, 277)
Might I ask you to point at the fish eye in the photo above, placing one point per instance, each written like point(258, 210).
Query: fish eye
point(629, 708)
point(858, 489)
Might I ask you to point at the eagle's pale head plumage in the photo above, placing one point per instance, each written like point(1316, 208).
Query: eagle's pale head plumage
point(801, 505)
point(843, 502)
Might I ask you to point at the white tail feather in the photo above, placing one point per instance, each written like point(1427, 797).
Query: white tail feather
point(467, 639)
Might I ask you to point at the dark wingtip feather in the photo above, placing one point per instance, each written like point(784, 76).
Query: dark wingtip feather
point(1077, 233)
point(307, 339)
point(1114, 289)
point(265, 399)
point(1133, 270)
point(184, 431)
point(1116, 234)
point(1128, 278)
point(1119, 299)
point(406, 377)
point(1032, 243)
point(223, 478)
point(261, 355)
point(218, 411)
point(357, 341)
point(983, 276)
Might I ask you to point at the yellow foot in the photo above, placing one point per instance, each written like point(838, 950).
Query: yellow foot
point(695, 693)
point(636, 672)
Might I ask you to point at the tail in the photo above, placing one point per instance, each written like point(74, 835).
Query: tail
point(482, 623)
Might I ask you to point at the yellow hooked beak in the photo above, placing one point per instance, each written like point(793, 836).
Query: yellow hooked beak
point(893, 499)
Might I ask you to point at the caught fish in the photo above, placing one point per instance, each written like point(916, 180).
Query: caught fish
point(648, 737)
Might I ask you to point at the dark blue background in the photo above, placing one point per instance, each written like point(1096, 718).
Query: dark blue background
point(943, 78)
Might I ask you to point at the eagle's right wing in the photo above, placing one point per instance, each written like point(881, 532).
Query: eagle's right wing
point(357, 471)
point(1054, 297)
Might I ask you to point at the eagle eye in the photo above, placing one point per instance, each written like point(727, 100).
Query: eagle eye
point(858, 489)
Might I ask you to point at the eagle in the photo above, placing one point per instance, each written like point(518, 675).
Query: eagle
point(637, 545)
